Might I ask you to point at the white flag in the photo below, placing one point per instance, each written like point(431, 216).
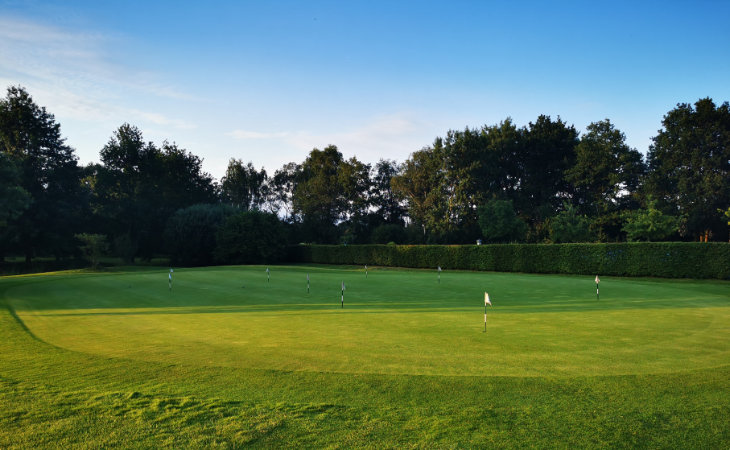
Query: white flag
point(343, 285)
point(486, 300)
point(439, 268)
point(169, 276)
point(597, 280)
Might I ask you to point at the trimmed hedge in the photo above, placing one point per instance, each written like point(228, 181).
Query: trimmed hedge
point(636, 259)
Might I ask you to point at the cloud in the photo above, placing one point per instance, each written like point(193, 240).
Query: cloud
point(73, 73)
point(243, 135)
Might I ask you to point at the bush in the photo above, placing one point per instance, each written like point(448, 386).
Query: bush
point(386, 233)
point(191, 233)
point(251, 237)
point(637, 259)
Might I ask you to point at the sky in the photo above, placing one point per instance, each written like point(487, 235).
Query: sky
point(268, 81)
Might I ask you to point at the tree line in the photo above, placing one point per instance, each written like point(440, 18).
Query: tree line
point(539, 183)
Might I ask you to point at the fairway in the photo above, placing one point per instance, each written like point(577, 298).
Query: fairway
point(397, 327)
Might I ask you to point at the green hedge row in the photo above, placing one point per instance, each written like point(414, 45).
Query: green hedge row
point(661, 259)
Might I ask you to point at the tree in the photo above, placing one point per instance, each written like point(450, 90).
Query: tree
point(689, 163)
point(13, 198)
point(548, 152)
point(191, 233)
point(93, 247)
point(649, 224)
point(251, 237)
point(421, 183)
point(327, 190)
point(139, 186)
point(499, 222)
point(281, 190)
point(606, 176)
point(31, 139)
point(570, 226)
point(387, 203)
point(243, 186)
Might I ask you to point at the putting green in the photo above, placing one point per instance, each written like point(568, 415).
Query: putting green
point(393, 322)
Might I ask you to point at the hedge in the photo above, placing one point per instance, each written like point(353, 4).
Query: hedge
point(637, 259)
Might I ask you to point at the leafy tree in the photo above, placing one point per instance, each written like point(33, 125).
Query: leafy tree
point(191, 233)
point(649, 224)
point(570, 226)
point(499, 222)
point(606, 176)
point(387, 203)
point(243, 186)
point(281, 190)
point(139, 186)
point(542, 162)
point(13, 198)
point(93, 247)
point(48, 173)
point(421, 183)
point(389, 232)
point(251, 237)
point(328, 189)
point(689, 164)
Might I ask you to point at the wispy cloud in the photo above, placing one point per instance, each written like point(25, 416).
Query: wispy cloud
point(244, 134)
point(75, 75)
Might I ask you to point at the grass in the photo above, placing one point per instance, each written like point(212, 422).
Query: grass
point(228, 359)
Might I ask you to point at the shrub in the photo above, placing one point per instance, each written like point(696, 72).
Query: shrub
point(661, 259)
point(251, 237)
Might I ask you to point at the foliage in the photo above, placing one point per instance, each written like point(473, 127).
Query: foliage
point(387, 233)
point(606, 176)
point(191, 233)
point(499, 222)
point(668, 259)
point(386, 201)
point(243, 186)
point(650, 224)
point(47, 176)
point(250, 237)
point(139, 186)
point(569, 226)
point(93, 247)
point(689, 164)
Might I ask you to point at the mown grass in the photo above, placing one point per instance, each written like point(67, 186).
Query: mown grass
point(227, 359)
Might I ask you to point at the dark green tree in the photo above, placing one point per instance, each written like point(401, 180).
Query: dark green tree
point(251, 237)
point(689, 164)
point(327, 190)
point(243, 186)
point(93, 247)
point(649, 224)
point(387, 203)
point(48, 172)
point(499, 222)
point(191, 233)
point(570, 226)
point(606, 177)
point(542, 162)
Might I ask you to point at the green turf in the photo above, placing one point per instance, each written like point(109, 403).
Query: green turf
point(227, 358)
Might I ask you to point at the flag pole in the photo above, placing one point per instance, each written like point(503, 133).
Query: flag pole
point(343, 296)
point(597, 281)
point(307, 283)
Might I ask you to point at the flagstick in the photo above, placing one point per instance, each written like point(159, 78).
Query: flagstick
point(307, 283)
point(485, 316)
point(366, 270)
point(343, 295)
point(597, 296)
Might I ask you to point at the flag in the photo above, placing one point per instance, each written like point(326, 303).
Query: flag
point(486, 300)
point(307, 278)
point(343, 286)
point(597, 280)
point(439, 268)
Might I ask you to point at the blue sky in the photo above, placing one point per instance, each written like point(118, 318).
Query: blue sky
point(267, 81)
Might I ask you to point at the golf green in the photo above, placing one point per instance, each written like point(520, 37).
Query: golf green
point(393, 322)
point(402, 325)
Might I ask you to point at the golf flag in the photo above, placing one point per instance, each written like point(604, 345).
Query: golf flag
point(439, 270)
point(169, 280)
point(366, 270)
point(307, 283)
point(343, 295)
point(268, 277)
point(597, 281)
point(486, 302)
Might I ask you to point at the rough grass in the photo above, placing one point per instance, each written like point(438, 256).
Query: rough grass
point(227, 359)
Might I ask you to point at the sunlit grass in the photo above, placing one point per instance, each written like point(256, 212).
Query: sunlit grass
point(227, 358)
